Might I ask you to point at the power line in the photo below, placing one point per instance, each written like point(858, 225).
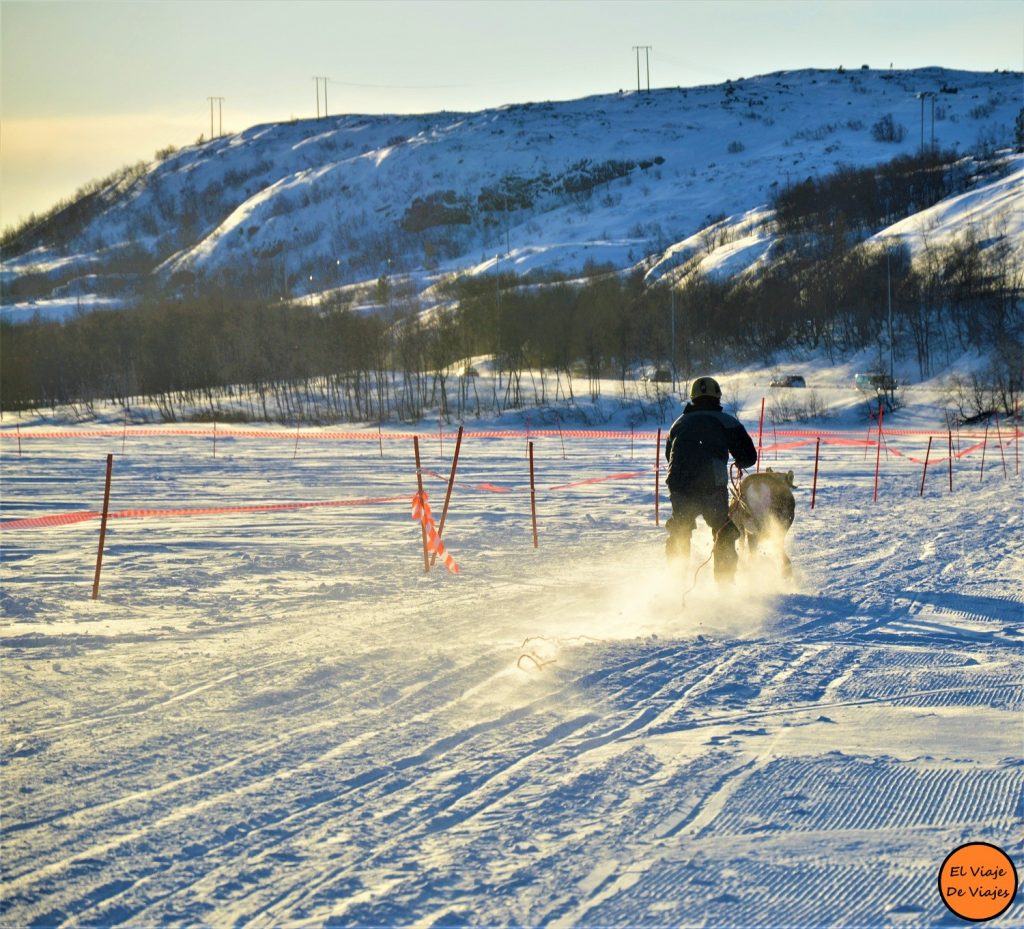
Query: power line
point(415, 86)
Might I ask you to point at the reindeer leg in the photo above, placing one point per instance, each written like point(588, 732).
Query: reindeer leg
point(752, 542)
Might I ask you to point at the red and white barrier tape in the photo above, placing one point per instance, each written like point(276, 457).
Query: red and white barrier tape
point(63, 519)
point(421, 513)
point(367, 436)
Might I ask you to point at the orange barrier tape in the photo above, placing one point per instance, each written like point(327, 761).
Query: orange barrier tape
point(421, 513)
point(367, 436)
point(621, 476)
point(490, 488)
point(61, 519)
point(66, 518)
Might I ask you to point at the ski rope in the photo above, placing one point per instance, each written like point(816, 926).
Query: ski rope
point(541, 662)
point(703, 564)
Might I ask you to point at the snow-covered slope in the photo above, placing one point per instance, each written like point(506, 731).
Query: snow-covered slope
point(623, 179)
point(991, 213)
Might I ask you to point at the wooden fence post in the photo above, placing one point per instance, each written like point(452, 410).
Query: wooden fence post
point(984, 448)
point(448, 495)
point(924, 471)
point(1002, 453)
point(760, 431)
point(1016, 437)
point(103, 529)
point(533, 498)
point(419, 485)
point(878, 451)
point(814, 483)
point(657, 479)
point(950, 460)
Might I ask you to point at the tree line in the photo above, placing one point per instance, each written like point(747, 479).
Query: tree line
point(230, 352)
point(233, 356)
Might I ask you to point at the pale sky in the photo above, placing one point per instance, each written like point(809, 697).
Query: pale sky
point(90, 86)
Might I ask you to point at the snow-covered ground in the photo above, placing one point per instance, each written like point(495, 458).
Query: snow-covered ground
point(276, 718)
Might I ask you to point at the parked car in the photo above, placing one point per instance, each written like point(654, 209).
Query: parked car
point(789, 380)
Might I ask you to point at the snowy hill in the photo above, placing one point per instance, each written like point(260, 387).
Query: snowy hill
point(626, 180)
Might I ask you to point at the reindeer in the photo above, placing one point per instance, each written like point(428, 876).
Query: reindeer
point(763, 507)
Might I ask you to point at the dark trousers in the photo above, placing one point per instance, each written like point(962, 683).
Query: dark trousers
point(714, 508)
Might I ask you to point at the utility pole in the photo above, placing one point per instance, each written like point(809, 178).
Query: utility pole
point(318, 80)
point(647, 50)
point(672, 291)
point(933, 120)
point(220, 102)
point(888, 287)
point(508, 246)
point(931, 95)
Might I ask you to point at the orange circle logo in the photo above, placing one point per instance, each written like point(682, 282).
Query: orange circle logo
point(978, 881)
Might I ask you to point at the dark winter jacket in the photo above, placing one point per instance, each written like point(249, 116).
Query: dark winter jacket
point(698, 448)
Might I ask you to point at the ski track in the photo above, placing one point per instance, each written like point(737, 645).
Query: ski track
point(280, 721)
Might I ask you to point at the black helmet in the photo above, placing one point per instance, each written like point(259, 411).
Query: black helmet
point(705, 387)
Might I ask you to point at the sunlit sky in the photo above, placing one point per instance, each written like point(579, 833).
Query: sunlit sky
point(90, 86)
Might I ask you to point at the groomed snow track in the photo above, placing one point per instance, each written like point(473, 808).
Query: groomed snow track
point(281, 721)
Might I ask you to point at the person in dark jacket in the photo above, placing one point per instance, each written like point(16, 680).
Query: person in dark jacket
point(698, 448)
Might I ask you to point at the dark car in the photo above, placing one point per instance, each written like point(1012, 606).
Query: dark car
point(790, 380)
